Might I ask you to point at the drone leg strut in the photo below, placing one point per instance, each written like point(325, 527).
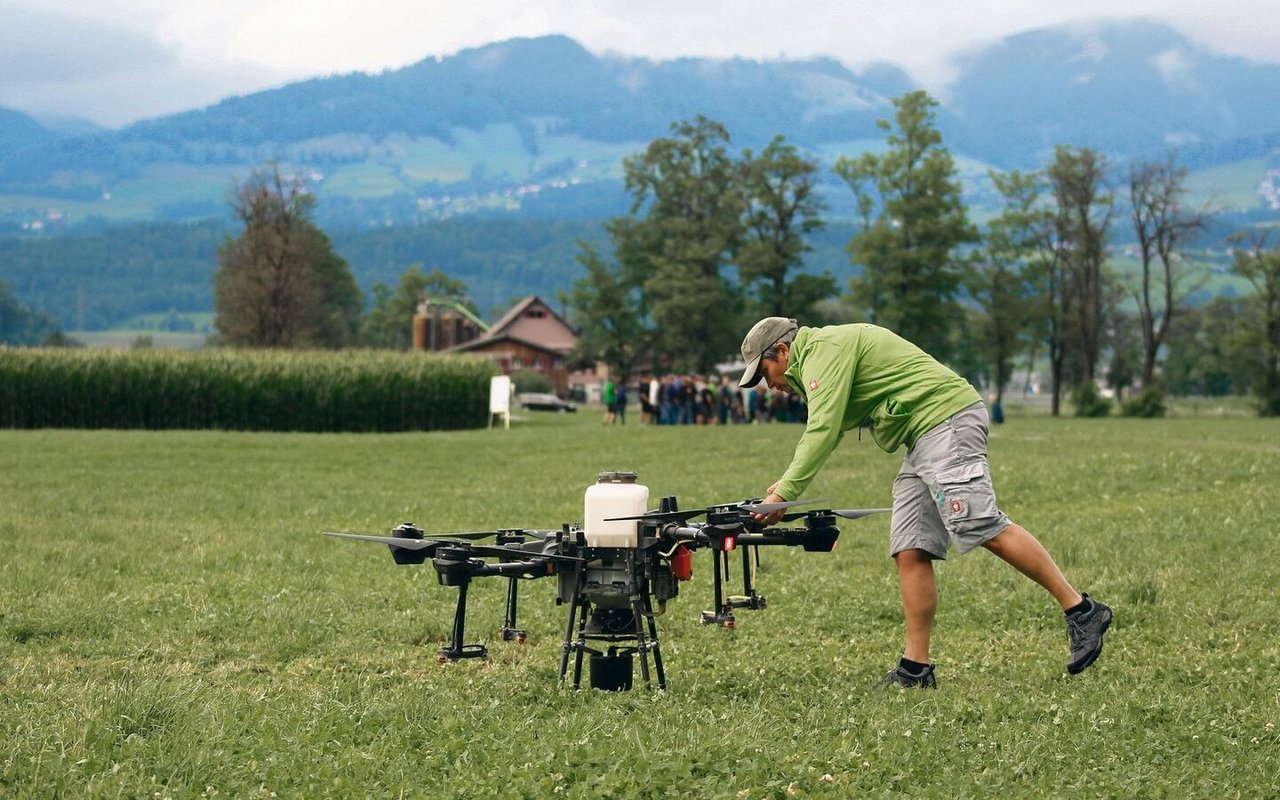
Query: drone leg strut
point(580, 643)
point(653, 638)
point(569, 642)
point(642, 646)
point(722, 613)
point(456, 649)
point(749, 598)
point(509, 630)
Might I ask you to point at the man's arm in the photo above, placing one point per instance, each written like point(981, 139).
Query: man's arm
point(828, 380)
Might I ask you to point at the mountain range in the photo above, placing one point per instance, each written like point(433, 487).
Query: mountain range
point(540, 126)
point(495, 162)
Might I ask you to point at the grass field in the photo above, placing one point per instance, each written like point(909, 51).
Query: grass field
point(172, 623)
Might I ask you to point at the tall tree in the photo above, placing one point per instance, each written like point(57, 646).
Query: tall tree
point(389, 323)
point(20, 325)
point(1002, 281)
point(279, 283)
point(1210, 352)
point(915, 224)
point(1163, 225)
point(1260, 265)
point(782, 208)
point(606, 309)
point(684, 226)
point(1084, 209)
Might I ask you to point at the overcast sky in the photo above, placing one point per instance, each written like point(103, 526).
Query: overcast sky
point(116, 61)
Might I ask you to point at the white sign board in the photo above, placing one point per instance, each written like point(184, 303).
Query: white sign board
point(500, 398)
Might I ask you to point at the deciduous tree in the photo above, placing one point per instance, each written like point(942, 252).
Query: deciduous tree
point(684, 226)
point(1002, 281)
point(607, 311)
point(1260, 265)
point(782, 208)
point(1163, 224)
point(1084, 206)
point(279, 283)
point(915, 224)
point(21, 325)
point(389, 323)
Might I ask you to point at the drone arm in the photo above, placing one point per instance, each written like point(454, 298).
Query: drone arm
point(818, 540)
point(531, 568)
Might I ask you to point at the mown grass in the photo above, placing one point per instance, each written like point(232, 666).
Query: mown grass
point(173, 624)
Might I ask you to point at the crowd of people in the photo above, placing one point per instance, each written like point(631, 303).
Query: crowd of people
point(698, 400)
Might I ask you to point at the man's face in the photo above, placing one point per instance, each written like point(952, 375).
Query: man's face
point(773, 368)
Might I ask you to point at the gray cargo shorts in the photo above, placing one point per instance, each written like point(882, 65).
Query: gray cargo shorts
point(943, 494)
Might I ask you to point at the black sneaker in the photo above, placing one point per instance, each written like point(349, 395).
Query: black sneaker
point(907, 680)
point(1084, 631)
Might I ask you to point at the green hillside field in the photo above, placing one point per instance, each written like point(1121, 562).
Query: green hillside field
point(478, 170)
point(173, 623)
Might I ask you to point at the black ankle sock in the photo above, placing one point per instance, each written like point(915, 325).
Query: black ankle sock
point(912, 667)
point(1081, 607)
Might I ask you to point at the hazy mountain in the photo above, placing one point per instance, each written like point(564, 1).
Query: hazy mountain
point(458, 135)
point(1124, 88)
point(538, 129)
point(18, 131)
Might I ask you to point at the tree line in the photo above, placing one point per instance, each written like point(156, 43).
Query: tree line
point(715, 239)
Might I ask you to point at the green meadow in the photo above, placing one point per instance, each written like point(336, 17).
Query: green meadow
point(173, 623)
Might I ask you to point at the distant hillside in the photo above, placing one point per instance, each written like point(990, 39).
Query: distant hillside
point(497, 127)
point(491, 163)
point(1126, 88)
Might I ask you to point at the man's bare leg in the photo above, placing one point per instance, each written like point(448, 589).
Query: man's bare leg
point(919, 601)
point(1017, 547)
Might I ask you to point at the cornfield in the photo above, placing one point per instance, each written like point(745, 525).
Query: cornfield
point(242, 390)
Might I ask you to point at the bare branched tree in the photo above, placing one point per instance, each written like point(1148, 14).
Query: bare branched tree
point(1163, 225)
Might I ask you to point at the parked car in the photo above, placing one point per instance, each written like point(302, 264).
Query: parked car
point(537, 401)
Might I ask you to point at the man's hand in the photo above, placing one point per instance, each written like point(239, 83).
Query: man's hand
point(772, 516)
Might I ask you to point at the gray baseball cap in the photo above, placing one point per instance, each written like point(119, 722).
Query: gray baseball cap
point(763, 335)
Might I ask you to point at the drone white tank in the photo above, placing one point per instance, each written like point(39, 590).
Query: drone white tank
point(615, 494)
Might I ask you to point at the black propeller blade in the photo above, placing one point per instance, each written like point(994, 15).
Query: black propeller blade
point(847, 513)
point(474, 535)
point(403, 542)
point(662, 516)
point(769, 508)
point(685, 516)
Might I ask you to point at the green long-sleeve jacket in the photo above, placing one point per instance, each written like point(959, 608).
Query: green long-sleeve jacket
point(848, 374)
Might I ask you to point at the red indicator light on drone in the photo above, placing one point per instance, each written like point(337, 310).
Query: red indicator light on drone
point(729, 543)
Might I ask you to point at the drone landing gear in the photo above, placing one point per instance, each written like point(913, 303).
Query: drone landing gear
point(509, 632)
point(611, 667)
point(723, 615)
point(457, 650)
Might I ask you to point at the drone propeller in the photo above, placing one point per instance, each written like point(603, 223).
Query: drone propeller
point(662, 516)
point(847, 513)
point(684, 516)
point(402, 542)
point(769, 508)
point(474, 535)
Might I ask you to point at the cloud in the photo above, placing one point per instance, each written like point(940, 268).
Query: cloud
point(117, 60)
point(112, 64)
point(38, 46)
